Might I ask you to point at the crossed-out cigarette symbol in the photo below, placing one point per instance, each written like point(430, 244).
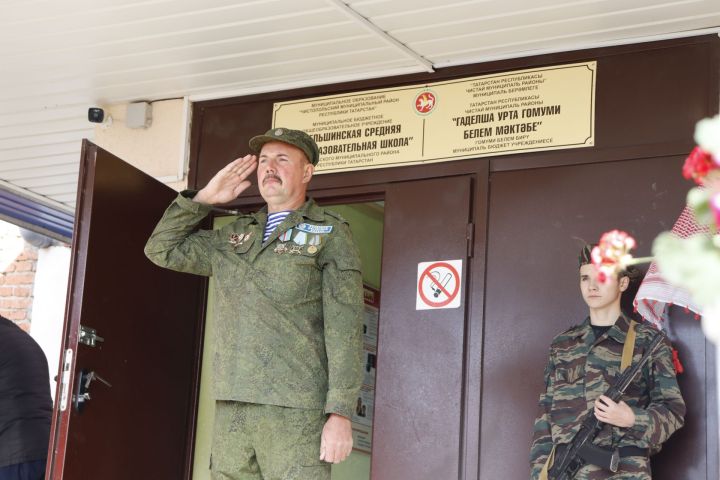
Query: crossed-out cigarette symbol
point(440, 282)
point(438, 285)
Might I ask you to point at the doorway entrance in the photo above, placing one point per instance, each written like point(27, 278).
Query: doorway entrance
point(366, 224)
point(417, 403)
point(140, 328)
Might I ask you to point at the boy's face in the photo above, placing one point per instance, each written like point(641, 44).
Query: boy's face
point(600, 295)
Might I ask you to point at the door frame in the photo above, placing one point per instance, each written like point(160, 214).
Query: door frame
point(195, 290)
point(327, 194)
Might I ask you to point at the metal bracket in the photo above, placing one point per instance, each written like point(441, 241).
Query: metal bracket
point(65, 379)
point(89, 336)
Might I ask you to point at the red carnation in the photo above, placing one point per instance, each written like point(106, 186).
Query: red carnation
point(612, 254)
point(697, 165)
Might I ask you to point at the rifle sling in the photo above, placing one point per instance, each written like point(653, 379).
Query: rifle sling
point(628, 347)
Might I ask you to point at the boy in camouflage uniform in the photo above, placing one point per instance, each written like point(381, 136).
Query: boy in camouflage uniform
point(288, 366)
point(583, 363)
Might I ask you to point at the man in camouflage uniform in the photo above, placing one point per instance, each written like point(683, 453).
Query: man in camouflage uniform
point(288, 366)
point(583, 363)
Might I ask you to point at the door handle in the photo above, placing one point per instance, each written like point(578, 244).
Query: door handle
point(82, 394)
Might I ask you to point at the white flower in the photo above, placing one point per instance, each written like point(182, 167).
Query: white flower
point(691, 263)
point(707, 135)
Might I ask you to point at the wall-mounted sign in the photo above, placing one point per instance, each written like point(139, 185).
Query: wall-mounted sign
point(438, 285)
point(362, 419)
point(531, 110)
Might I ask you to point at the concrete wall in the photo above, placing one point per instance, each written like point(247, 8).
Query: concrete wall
point(158, 150)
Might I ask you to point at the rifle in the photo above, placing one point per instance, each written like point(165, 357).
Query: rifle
point(570, 461)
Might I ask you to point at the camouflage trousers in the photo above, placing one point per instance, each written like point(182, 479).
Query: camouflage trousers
point(266, 442)
point(631, 468)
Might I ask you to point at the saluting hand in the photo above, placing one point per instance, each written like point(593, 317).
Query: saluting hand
point(619, 414)
point(336, 441)
point(229, 182)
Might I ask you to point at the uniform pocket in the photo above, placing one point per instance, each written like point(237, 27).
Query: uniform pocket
point(569, 374)
point(286, 277)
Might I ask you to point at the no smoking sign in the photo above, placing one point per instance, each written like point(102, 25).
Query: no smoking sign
point(438, 284)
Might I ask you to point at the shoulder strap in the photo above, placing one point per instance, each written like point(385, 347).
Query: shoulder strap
point(629, 347)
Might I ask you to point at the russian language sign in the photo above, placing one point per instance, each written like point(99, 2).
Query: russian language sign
point(499, 114)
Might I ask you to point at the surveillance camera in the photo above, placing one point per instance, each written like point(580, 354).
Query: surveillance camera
point(96, 115)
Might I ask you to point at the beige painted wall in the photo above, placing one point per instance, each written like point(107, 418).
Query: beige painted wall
point(157, 150)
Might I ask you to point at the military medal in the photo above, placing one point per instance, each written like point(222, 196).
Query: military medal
point(315, 240)
point(300, 238)
point(237, 240)
point(312, 249)
point(295, 249)
point(281, 248)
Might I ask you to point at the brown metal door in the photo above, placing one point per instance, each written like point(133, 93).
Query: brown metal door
point(418, 416)
point(537, 218)
point(148, 317)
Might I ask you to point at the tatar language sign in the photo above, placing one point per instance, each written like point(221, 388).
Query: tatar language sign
point(439, 284)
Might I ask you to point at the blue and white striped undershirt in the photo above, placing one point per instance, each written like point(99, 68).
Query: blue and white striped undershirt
point(273, 220)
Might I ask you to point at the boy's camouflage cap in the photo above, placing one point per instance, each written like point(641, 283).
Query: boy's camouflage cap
point(296, 138)
point(585, 255)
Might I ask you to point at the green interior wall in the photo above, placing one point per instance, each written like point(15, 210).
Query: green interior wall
point(366, 223)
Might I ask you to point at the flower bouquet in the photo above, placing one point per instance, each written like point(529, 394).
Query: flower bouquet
point(689, 256)
point(693, 263)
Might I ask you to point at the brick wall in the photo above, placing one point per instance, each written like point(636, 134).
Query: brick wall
point(16, 287)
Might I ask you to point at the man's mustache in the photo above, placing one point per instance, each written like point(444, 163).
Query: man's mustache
point(271, 176)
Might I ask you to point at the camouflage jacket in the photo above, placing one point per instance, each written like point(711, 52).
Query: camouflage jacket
point(581, 368)
point(289, 310)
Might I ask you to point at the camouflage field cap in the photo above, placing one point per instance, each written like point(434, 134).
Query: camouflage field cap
point(296, 138)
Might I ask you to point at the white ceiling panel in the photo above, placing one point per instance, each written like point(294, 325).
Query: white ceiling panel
point(51, 183)
point(356, 71)
point(51, 126)
point(75, 28)
point(66, 112)
point(164, 72)
point(63, 188)
point(499, 20)
point(510, 45)
point(38, 153)
point(66, 199)
point(59, 58)
point(251, 61)
point(42, 138)
point(27, 104)
point(120, 58)
point(193, 81)
point(94, 55)
point(52, 159)
point(28, 173)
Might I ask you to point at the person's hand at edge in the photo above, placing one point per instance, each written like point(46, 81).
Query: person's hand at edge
point(229, 182)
